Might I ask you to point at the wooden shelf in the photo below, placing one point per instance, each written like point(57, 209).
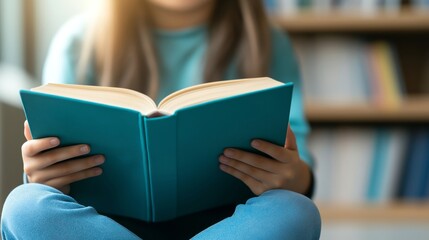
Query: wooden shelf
point(413, 109)
point(335, 21)
point(409, 211)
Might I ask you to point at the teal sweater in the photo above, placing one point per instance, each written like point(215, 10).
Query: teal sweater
point(181, 62)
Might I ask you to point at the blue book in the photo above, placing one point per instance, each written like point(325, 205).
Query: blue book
point(425, 158)
point(414, 178)
point(420, 4)
point(270, 5)
point(378, 165)
point(161, 161)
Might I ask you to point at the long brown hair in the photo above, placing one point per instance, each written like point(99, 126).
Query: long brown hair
point(121, 43)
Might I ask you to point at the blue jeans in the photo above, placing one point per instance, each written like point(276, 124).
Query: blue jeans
point(35, 211)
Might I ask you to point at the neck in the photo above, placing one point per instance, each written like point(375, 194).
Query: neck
point(163, 18)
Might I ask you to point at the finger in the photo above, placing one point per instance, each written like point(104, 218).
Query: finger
point(27, 132)
point(59, 183)
point(65, 189)
point(252, 159)
point(279, 153)
point(290, 140)
point(61, 154)
point(255, 186)
point(69, 167)
point(256, 173)
point(34, 147)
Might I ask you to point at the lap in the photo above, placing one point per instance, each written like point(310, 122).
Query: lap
point(273, 215)
point(180, 228)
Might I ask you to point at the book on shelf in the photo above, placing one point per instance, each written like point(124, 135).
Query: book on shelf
point(385, 75)
point(334, 61)
point(363, 73)
point(353, 150)
point(363, 6)
point(286, 7)
point(161, 161)
point(344, 156)
point(358, 165)
point(415, 176)
point(420, 4)
point(388, 157)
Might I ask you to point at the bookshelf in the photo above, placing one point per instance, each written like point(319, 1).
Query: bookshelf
point(408, 30)
point(411, 110)
point(340, 21)
point(395, 211)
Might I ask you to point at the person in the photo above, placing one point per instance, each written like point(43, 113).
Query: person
point(157, 47)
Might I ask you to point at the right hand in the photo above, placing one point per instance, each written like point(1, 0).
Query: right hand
point(52, 167)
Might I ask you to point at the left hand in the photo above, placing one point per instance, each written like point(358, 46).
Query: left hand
point(284, 170)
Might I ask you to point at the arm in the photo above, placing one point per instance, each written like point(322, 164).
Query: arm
point(64, 54)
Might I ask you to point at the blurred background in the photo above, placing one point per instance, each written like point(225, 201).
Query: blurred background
point(26, 29)
point(365, 69)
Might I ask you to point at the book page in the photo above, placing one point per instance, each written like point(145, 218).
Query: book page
point(119, 97)
point(126, 98)
point(211, 91)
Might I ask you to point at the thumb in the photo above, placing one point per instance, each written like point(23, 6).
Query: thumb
point(290, 140)
point(27, 132)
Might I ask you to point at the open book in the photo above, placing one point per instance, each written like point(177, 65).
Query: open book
point(122, 97)
point(161, 161)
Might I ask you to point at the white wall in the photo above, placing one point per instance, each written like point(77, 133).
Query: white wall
point(11, 42)
point(11, 54)
point(50, 15)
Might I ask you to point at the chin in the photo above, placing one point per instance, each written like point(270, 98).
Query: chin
point(180, 5)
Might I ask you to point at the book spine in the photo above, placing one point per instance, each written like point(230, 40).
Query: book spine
point(413, 174)
point(378, 165)
point(387, 67)
point(146, 175)
point(162, 170)
point(395, 157)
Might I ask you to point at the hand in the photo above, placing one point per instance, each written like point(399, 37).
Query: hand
point(45, 164)
point(284, 170)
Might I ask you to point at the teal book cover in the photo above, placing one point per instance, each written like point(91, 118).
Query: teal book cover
point(160, 168)
point(379, 162)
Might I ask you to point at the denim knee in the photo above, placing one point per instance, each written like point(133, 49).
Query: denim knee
point(35, 211)
point(298, 212)
point(28, 207)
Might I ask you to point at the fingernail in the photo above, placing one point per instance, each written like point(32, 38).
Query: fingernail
point(229, 152)
point(54, 141)
point(98, 171)
point(84, 149)
point(223, 159)
point(255, 143)
point(99, 159)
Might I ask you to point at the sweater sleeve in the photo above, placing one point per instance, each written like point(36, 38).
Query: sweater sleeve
point(285, 68)
point(64, 52)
